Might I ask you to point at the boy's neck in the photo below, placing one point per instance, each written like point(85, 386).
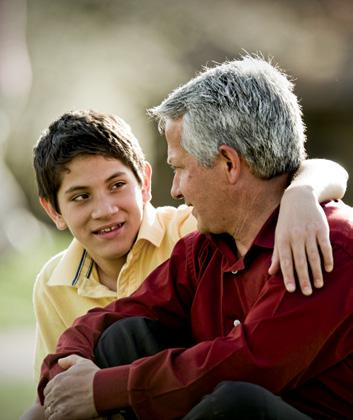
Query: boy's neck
point(108, 273)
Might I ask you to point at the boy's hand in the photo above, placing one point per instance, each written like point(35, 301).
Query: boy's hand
point(301, 241)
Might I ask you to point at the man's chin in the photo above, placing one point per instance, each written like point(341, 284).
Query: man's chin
point(201, 228)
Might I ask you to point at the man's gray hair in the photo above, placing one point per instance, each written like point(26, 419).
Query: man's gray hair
point(247, 104)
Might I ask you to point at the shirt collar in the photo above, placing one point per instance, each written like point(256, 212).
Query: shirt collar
point(150, 229)
point(74, 264)
point(266, 236)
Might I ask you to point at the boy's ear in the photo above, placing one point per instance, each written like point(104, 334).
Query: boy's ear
point(147, 182)
point(53, 214)
point(232, 162)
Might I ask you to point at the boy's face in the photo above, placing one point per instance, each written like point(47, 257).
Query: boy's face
point(101, 202)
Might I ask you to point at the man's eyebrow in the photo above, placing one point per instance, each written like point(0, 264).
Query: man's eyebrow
point(75, 188)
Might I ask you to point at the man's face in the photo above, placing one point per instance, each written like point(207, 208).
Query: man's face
point(101, 202)
point(199, 186)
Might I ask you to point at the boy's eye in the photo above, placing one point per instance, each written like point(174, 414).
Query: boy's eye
point(118, 185)
point(80, 197)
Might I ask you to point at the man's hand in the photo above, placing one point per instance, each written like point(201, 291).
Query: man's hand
point(301, 241)
point(69, 395)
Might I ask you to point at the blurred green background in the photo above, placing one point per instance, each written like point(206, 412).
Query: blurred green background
point(123, 56)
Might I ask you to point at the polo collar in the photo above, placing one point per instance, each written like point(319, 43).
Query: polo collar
point(151, 229)
point(75, 263)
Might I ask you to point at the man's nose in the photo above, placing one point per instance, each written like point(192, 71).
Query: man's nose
point(175, 191)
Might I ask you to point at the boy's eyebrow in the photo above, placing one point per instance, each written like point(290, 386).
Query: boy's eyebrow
point(82, 187)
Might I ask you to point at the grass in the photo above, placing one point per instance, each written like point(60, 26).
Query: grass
point(15, 398)
point(17, 274)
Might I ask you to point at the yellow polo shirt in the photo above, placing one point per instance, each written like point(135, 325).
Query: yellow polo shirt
point(68, 285)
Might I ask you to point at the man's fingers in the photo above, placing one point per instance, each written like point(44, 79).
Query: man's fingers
point(69, 361)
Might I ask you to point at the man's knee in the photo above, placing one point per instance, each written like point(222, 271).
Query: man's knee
point(243, 395)
point(243, 400)
point(126, 340)
point(228, 399)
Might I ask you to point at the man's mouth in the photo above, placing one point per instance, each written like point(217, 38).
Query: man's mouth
point(108, 229)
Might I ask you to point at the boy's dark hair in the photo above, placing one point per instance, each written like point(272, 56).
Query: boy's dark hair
point(79, 133)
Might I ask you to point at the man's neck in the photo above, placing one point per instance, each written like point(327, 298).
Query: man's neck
point(257, 206)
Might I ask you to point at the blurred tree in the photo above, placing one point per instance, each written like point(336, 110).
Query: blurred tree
point(124, 56)
point(18, 227)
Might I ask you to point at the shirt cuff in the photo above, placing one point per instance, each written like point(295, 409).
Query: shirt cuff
point(46, 376)
point(110, 389)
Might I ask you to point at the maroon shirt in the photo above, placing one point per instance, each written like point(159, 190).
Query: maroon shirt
point(298, 347)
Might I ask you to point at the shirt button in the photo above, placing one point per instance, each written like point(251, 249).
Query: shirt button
point(236, 322)
point(234, 272)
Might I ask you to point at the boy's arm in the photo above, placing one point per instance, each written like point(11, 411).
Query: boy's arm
point(302, 233)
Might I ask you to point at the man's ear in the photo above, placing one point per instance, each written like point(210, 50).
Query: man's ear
point(232, 162)
point(146, 184)
point(53, 214)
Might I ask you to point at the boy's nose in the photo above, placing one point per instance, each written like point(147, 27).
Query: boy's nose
point(104, 208)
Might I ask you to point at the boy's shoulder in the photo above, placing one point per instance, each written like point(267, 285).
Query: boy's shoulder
point(64, 262)
point(50, 265)
point(176, 219)
point(173, 212)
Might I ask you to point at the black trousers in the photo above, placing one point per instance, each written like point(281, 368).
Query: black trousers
point(132, 338)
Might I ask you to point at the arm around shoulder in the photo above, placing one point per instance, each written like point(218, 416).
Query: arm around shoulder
point(302, 233)
point(326, 178)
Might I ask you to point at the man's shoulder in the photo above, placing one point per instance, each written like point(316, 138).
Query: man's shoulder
point(197, 247)
point(340, 219)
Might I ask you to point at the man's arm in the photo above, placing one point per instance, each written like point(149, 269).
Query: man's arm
point(302, 233)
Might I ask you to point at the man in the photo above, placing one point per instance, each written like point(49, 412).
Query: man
point(211, 316)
